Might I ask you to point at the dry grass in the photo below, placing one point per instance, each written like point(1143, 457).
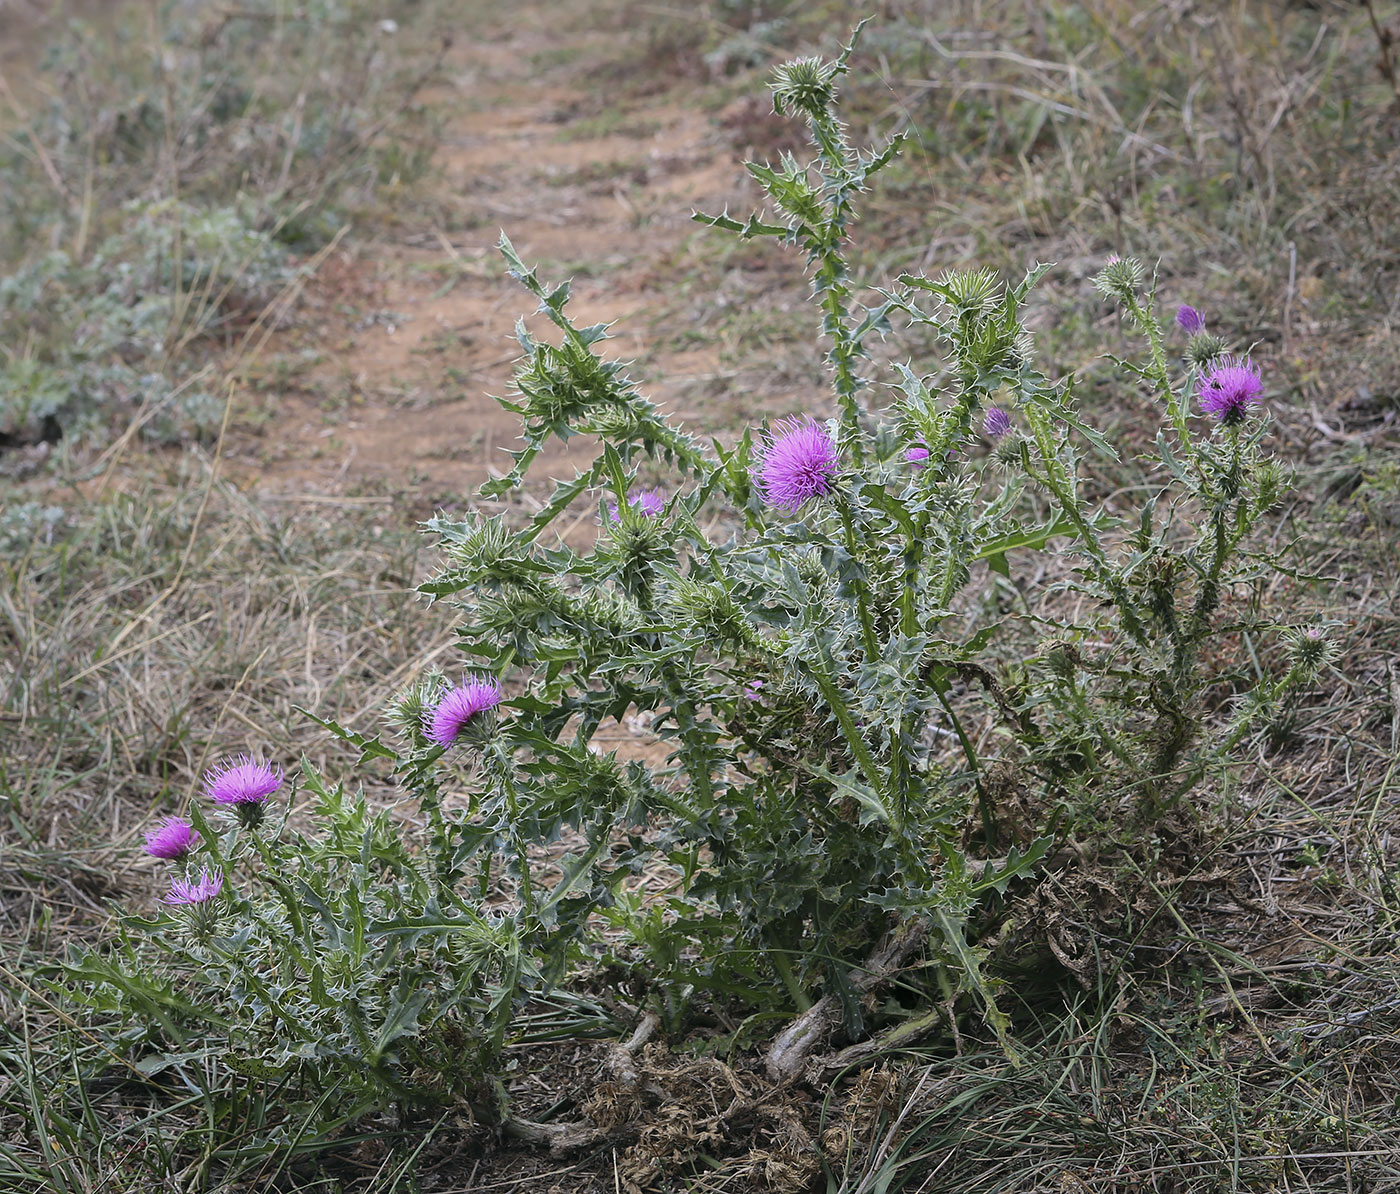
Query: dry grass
point(142, 643)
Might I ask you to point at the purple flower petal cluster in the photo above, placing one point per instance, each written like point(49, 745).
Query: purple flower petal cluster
point(458, 706)
point(194, 892)
point(996, 423)
point(172, 839)
point(1230, 389)
point(917, 455)
point(796, 463)
point(1189, 320)
point(648, 502)
point(242, 780)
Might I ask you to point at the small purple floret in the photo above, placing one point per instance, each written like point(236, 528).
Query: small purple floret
point(185, 891)
point(647, 502)
point(458, 706)
point(996, 422)
point(796, 463)
point(172, 839)
point(917, 455)
point(242, 780)
point(753, 690)
point(1189, 320)
point(650, 502)
point(1230, 389)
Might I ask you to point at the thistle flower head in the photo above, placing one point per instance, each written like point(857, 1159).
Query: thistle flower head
point(807, 84)
point(408, 709)
point(1230, 389)
point(797, 462)
point(172, 839)
point(1006, 451)
point(1062, 657)
point(996, 423)
point(194, 892)
point(1189, 320)
point(1310, 648)
point(647, 502)
point(1204, 348)
point(244, 784)
point(462, 705)
point(1121, 278)
point(972, 292)
point(615, 421)
point(706, 606)
point(917, 455)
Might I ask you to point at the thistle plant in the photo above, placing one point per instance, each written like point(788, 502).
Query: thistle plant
point(808, 661)
point(825, 626)
point(327, 962)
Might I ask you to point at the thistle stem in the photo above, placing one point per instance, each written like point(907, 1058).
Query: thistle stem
point(867, 623)
point(781, 964)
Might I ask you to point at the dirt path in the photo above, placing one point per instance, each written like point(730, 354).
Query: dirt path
point(384, 383)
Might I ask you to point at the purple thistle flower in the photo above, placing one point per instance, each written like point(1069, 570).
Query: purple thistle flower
point(917, 455)
point(172, 839)
point(242, 780)
point(647, 502)
point(1189, 320)
point(458, 706)
point(996, 422)
point(243, 784)
point(650, 502)
point(796, 463)
point(188, 892)
point(753, 690)
point(1230, 389)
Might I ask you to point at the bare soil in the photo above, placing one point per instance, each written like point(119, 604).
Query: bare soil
point(410, 334)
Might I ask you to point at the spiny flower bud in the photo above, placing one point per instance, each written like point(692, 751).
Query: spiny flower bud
point(638, 543)
point(1310, 648)
point(1120, 278)
point(409, 710)
point(812, 573)
point(613, 422)
point(1062, 658)
point(1270, 480)
point(973, 292)
point(1203, 349)
point(613, 610)
point(805, 84)
point(708, 606)
point(1022, 350)
point(1007, 450)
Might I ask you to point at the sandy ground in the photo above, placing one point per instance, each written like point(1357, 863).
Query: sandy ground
point(409, 337)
